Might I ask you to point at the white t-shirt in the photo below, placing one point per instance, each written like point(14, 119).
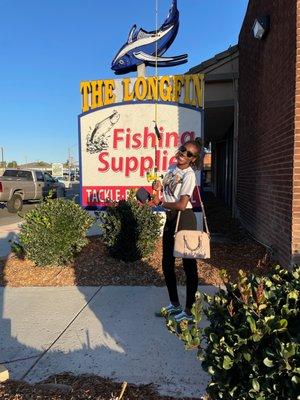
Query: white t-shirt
point(178, 182)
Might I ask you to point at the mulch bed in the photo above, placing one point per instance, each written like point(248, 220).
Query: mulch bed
point(94, 267)
point(82, 387)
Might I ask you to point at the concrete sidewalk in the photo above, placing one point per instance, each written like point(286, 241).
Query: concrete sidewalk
point(109, 331)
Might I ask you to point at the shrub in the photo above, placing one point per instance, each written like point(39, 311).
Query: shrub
point(253, 339)
point(53, 232)
point(130, 229)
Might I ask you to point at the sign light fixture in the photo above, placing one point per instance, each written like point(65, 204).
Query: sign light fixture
point(261, 27)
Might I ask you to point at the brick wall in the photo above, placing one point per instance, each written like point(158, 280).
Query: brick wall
point(266, 127)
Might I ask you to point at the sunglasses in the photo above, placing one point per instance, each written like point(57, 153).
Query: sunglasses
point(183, 149)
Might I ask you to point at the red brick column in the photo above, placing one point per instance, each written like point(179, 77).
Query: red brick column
point(296, 174)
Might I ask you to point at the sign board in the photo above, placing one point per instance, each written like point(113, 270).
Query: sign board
point(118, 143)
point(57, 169)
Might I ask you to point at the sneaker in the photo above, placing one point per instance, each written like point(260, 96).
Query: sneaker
point(183, 316)
point(169, 310)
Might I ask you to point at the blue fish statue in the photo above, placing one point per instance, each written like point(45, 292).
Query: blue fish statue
point(141, 46)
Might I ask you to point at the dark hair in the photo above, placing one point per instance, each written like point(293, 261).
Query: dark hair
point(197, 142)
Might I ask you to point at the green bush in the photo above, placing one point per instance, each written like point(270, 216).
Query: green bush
point(130, 229)
point(53, 232)
point(252, 342)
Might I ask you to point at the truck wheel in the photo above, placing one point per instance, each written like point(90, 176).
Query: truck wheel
point(15, 204)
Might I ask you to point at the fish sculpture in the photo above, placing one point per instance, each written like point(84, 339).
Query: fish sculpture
point(147, 48)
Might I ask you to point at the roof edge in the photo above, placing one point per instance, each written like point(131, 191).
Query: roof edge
point(214, 60)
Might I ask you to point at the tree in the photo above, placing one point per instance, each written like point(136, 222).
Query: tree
point(12, 164)
point(42, 164)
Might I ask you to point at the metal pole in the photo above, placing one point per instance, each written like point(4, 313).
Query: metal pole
point(2, 155)
point(156, 69)
point(69, 162)
point(141, 70)
point(156, 76)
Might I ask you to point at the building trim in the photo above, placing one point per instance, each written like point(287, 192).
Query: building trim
point(219, 103)
point(226, 77)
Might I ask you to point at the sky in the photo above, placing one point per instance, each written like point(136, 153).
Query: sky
point(48, 47)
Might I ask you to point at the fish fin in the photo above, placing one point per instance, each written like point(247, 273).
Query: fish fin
point(143, 34)
point(172, 16)
point(131, 33)
point(148, 57)
point(162, 64)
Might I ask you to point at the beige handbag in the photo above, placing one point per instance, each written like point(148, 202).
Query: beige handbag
point(192, 244)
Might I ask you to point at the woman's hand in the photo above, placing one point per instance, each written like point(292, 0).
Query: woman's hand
point(157, 186)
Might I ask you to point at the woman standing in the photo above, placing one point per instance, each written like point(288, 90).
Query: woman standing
point(178, 187)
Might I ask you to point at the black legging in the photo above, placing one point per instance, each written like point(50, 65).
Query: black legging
point(187, 221)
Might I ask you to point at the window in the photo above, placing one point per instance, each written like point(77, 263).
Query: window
point(11, 173)
point(26, 175)
point(39, 176)
point(48, 177)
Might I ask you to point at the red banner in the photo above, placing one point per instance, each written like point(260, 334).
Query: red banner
point(101, 196)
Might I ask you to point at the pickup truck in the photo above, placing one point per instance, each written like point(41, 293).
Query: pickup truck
point(17, 185)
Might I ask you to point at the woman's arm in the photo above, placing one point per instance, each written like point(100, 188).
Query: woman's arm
point(179, 205)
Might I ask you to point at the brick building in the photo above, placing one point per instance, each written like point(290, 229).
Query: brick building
point(268, 171)
point(256, 156)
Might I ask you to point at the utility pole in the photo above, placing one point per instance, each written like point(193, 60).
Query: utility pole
point(69, 163)
point(70, 160)
point(2, 165)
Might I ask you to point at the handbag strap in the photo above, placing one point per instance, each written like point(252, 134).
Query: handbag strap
point(204, 215)
point(177, 222)
point(203, 210)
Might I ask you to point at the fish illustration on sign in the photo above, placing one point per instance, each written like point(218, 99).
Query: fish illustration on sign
point(141, 46)
point(97, 140)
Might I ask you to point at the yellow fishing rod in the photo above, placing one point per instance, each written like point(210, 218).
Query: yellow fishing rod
point(152, 174)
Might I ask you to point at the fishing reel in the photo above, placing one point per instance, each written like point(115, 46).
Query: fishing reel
point(142, 194)
point(152, 175)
